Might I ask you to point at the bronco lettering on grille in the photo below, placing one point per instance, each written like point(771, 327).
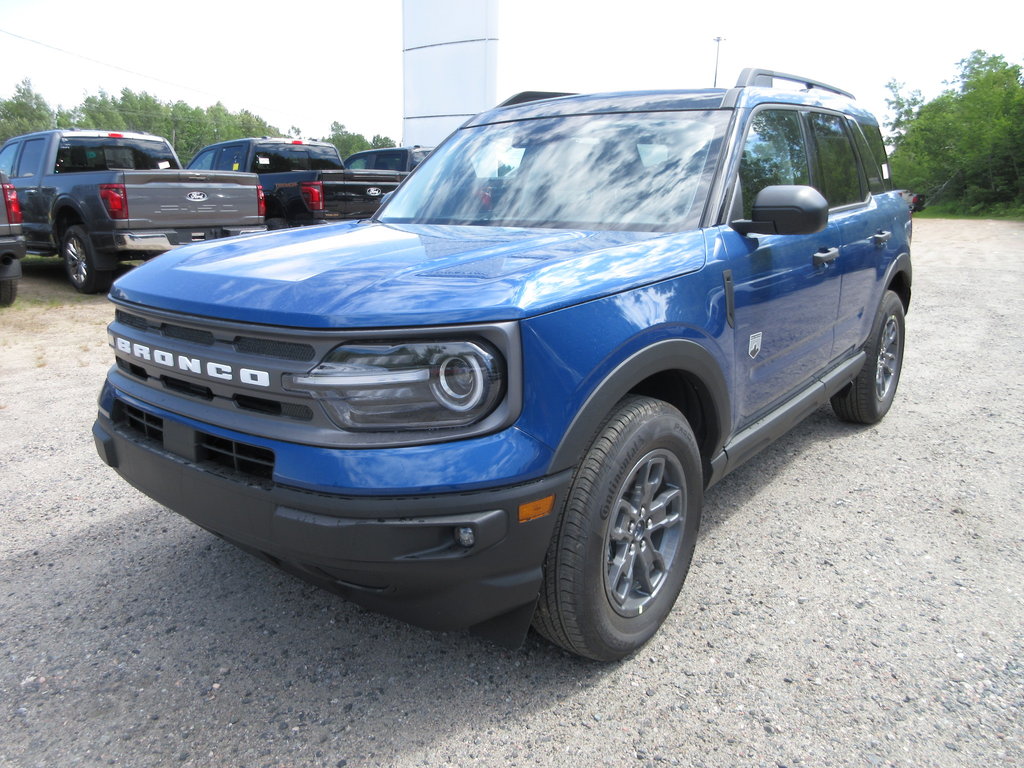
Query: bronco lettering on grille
point(196, 365)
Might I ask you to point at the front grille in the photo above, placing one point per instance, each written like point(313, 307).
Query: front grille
point(138, 421)
point(187, 334)
point(133, 320)
point(239, 457)
point(286, 350)
point(251, 462)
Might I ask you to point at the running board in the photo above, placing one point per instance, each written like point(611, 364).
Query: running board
point(767, 430)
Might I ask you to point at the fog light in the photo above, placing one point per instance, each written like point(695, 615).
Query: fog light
point(465, 537)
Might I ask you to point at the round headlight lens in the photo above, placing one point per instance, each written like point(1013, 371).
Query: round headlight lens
point(460, 383)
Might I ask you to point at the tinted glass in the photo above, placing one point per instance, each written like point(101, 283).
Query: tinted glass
point(279, 158)
point(775, 152)
point(876, 184)
point(31, 157)
point(77, 154)
point(636, 172)
point(7, 158)
point(388, 161)
point(203, 161)
point(877, 147)
point(840, 181)
point(231, 158)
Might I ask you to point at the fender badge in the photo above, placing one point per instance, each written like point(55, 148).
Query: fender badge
point(754, 347)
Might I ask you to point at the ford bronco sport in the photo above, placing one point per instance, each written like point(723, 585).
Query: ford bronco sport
point(501, 400)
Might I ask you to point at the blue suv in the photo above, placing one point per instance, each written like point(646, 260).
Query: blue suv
point(500, 401)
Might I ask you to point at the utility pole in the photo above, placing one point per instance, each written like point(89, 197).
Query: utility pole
point(718, 44)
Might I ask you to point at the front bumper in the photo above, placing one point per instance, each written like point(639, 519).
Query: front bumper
point(398, 555)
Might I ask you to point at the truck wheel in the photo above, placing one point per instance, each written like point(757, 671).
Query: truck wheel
point(625, 539)
point(80, 263)
point(276, 223)
point(8, 292)
point(868, 398)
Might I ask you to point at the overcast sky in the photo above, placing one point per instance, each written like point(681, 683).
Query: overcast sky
point(308, 64)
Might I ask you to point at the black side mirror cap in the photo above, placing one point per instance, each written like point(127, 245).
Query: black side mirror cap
point(789, 209)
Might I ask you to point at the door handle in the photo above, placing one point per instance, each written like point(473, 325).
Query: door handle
point(825, 256)
point(881, 237)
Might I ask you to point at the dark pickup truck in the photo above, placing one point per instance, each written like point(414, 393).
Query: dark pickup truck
point(12, 243)
point(305, 182)
point(97, 198)
point(403, 159)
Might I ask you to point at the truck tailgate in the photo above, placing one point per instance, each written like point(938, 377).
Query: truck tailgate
point(356, 194)
point(179, 198)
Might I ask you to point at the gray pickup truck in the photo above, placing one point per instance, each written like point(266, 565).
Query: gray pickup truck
point(12, 243)
point(96, 198)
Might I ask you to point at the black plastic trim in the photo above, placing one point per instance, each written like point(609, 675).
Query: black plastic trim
point(767, 430)
point(681, 355)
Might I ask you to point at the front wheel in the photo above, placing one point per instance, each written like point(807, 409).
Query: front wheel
point(80, 262)
point(626, 534)
point(868, 398)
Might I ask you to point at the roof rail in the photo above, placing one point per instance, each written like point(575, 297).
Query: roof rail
point(766, 78)
point(525, 96)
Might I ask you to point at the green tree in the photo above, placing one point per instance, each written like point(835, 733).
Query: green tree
point(25, 112)
point(346, 141)
point(963, 148)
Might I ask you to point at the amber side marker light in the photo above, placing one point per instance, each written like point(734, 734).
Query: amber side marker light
point(531, 510)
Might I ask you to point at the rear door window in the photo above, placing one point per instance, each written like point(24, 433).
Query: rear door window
point(838, 175)
point(31, 158)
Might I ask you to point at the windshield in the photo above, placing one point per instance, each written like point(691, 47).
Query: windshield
point(646, 171)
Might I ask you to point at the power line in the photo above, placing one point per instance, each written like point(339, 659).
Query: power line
point(105, 64)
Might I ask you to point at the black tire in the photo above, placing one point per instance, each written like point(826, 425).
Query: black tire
point(8, 292)
point(276, 223)
point(868, 398)
point(80, 262)
point(617, 562)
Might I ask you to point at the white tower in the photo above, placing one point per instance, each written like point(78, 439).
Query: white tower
point(450, 53)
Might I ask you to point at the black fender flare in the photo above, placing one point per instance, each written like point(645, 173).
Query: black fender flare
point(682, 356)
point(61, 205)
point(902, 267)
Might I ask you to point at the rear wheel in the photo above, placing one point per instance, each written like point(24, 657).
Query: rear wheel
point(868, 398)
point(80, 262)
point(625, 539)
point(8, 292)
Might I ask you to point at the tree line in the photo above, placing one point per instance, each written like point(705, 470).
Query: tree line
point(188, 128)
point(964, 149)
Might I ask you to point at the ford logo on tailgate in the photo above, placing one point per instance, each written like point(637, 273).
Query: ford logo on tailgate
point(196, 197)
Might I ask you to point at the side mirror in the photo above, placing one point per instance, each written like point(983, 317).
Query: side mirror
point(785, 210)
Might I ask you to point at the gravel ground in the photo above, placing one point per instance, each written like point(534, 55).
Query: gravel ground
point(856, 597)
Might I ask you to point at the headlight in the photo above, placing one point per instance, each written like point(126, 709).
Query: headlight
point(406, 386)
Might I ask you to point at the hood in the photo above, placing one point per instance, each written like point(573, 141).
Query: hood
point(371, 275)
